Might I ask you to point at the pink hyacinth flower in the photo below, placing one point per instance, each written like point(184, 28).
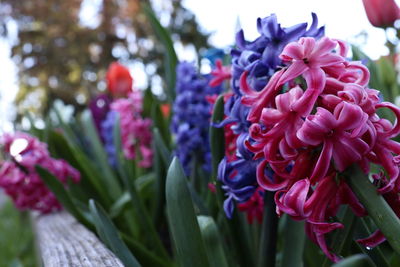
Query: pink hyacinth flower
point(135, 130)
point(19, 178)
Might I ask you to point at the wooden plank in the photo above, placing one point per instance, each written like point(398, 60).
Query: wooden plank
point(65, 242)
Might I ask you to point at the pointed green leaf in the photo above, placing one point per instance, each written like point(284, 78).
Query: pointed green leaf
point(146, 257)
point(382, 214)
point(294, 237)
point(62, 195)
point(165, 153)
point(213, 242)
point(127, 171)
point(217, 138)
point(100, 156)
point(161, 122)
point(170, 56)
point(86, 166)
point(109, 234)
point(183, 222)
point(359, 260)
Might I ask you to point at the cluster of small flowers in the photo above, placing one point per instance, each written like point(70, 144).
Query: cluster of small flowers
point(309, 133)
point(19, 179)
point(136, 136)
point(126, 104)
point(309, 120)
point(191, 119)
point(259, 59)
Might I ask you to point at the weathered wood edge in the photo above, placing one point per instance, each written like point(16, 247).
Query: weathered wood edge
point(64, 242)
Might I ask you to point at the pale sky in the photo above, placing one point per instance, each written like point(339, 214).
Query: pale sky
point(343, 19)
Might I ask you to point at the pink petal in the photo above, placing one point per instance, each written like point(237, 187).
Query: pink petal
point(373, 240)
point(349, 116)
point(315, 79)
point(308, 46)
point(363, 71)
point(323, 46)
point(271, 116)
point(297, 195)
point(324, 227)
point(396, 129)
point(262, 98)
point(266, 182)
point(292, 51)
point(323, 163)
point(294, 70)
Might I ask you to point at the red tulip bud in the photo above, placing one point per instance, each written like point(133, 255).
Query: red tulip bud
point(119, 80)
point(381, 13)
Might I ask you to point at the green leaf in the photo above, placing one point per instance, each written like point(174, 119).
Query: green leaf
point(109, 235)
point(62, 195)
point(161, 173)
point(33, 129)
point(146, 257)
point(217, 137)
point(294, 238)
point(183, 222)
point(268, 239)
point(140, 183)
point(161, 122)
point(119, 205)
point(127, 170)
point(109, 179)
point(381, 213)
point(359, 260)
point(86, 166)
point(389, 79)
point(61, 149)
point(161, 147)
point(376, 254)
point(170, 56)
point(341, 240)
point(213, 242)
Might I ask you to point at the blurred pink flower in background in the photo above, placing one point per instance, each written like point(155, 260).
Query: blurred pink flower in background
point(19, 178)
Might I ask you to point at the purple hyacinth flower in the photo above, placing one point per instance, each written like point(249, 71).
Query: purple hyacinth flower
point(260, 58)
point(191, 119)
point(99, 107)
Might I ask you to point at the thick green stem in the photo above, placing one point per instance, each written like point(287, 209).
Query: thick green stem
point(294, 243)
point(383, 216)
point(267, 249)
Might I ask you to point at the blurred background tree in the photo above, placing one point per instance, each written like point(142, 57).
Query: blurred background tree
point(65, 46)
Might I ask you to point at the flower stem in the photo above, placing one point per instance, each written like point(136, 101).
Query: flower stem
point(267, 248)
point(380, 212)
point(294, 243)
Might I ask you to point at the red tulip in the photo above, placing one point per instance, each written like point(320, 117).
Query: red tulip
point(381, 13)
point(166, 110)
point(119, 80)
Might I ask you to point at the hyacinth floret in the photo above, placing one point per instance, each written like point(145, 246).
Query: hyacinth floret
point(19, 178)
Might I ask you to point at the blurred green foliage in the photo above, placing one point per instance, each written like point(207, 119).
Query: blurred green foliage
point(16, 238)
point(60, 56)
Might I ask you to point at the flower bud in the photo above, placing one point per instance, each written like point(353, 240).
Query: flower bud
point(119, 80)
point(381, 13)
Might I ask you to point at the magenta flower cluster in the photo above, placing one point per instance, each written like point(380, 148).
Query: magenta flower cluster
point(136, 133)
point(19, 178)
point(314, 118)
